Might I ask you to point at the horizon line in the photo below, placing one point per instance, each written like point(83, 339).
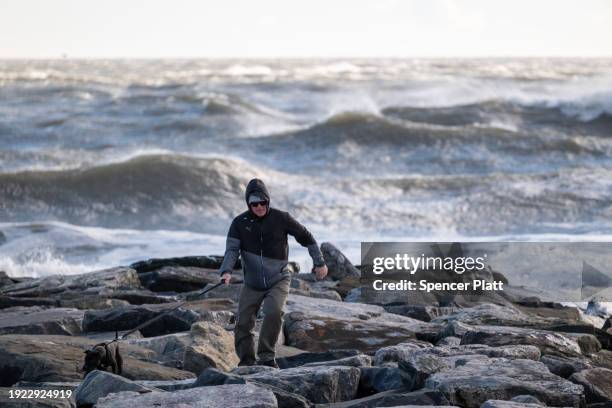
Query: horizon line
point(296, 57)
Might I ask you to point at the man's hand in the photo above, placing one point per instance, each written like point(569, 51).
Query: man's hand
point(226, 277)
point(320, 272)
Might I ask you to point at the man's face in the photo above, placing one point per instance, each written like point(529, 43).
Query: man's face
point(259, 208)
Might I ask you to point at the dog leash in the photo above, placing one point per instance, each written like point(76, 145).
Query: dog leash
point(156, 318)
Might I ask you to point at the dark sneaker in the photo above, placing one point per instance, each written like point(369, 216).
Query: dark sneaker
point(268, 363)
point(246, 363)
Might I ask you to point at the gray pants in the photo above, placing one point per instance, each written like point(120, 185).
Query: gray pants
point(250, 301)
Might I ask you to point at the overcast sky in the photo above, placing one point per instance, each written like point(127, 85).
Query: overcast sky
point(291, 28)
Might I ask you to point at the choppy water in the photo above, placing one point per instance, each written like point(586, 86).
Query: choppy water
point(108, 162)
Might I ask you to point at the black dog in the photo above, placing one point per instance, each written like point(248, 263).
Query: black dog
point(102, 356)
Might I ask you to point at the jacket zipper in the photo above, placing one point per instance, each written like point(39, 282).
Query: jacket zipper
point(261, 255)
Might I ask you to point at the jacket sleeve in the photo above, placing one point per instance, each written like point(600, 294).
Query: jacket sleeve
point(304, 238)
point(232, 248)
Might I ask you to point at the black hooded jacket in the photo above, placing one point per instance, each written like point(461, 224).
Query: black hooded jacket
point(262, 242)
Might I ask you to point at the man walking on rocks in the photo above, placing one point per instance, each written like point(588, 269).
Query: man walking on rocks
point(260, 236)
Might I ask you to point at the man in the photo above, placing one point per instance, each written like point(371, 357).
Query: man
point(260, 236)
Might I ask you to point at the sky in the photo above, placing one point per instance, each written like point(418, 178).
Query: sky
point(305, 28)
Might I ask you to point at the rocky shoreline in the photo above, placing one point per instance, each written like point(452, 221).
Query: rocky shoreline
point(338, 348)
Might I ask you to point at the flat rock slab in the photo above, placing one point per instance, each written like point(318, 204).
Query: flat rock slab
point(419, 364)
point(498, 315)
point(8, 301)
point(139, 296)
point(220, 396)
point(129, 317)
point(46, 358)
point(208, 262)
point(479, 380)
point(36, 320)
point(320, 324)
point(113, 278)
point(173, 385)
point(395, 398)
point(178, 278)
point(317, 384)
point(92, 302)
point(254, 369)
point(509, 404)
point(314, 357)
point(548, 342)
point(360, 360)
point(420, 312)
point(321, 294)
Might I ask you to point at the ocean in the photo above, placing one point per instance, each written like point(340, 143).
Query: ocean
point(107, 162)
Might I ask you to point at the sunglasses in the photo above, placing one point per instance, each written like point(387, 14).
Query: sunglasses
point(258, 203)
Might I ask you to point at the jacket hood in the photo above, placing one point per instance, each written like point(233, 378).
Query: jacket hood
point(256, 186)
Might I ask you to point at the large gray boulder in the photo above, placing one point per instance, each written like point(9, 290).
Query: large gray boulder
point(4, 278)
point(393, 354)
point(211, 346)
point(99, 384)
point(92, 282)
point(318, 384)
point(321, 324)
point(419, 364)
point(338, 264)
point(565, 366)
point(607, 326)
point(378, 379)
point(597, 383)
point(37, 320)
point(477, 380)
point(169, 348)
point(284, 398)
point(221, 396)
point(212, 376)
point(225, 292)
